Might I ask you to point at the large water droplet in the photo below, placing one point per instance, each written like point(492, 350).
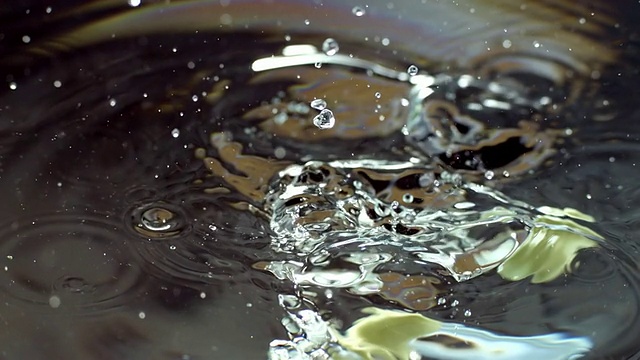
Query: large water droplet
point(324, 120)
point(358, 11)
point(319, 104)
point(330, 46)
point(158, 222)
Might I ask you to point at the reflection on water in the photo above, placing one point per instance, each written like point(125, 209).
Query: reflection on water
point(315, 180)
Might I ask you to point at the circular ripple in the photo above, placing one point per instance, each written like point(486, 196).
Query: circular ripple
point(67, 261)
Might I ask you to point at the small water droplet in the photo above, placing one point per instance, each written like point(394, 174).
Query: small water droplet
point(142, 315)
point(13, 86)
point(279, 152)
point(407, 198)
point(319, 104)
point(489, 175)
point(307, 22)
point(55, 302)
point(57, 83)
point(134, 3)
point(26, 39)
point(318, 65)
point(324, 120)
point(412, 70)
point(175, 133)
point(467, 313)
point(358, 11)
point(112, 102)
point(194, 98)
point(330, 46)
point(377, 95)
point(442, 301)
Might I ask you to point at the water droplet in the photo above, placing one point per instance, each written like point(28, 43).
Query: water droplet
point(307, 22)
point(142, 315)
point(330, 46)
point(112, 102)
point(319, 104)
point(26, 39)
point(13, 86)
point(318, 65)
point(467, 313)
point(412, 70)
point(175, 133)
point(194, 98)
point(378, 95)
point(324, 120)
point(442, 301)
point(55, 302)
point(358, 11)
point(407, 198)
point(489, 175)
point(279, 152)
point(157, 219)
point(57, 83)
point(134, 3)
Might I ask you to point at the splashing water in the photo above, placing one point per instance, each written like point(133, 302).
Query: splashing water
point(171, 192)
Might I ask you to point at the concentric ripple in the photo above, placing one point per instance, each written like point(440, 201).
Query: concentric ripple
point(71, 261)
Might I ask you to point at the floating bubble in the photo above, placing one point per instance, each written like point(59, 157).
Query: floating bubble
point(330, 46)
point(324, 120)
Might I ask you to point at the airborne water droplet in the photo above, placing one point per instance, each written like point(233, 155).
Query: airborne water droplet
point(330, 47)
point(412, 70)
point(489, 175)
point(324, 120)
point(358, 11)
point(175, 133)
point(319, 104)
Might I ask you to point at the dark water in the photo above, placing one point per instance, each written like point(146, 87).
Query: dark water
point(166, 194)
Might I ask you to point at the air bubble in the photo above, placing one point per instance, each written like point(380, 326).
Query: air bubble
point(324, 120)
point(412, 70)
point(407, 198)
point(319, 104)
point(330, 47)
